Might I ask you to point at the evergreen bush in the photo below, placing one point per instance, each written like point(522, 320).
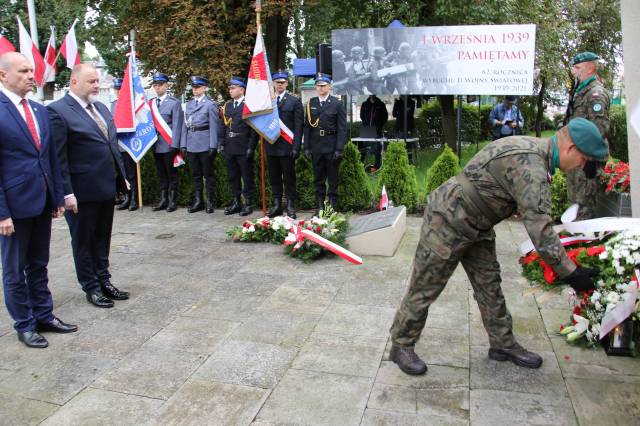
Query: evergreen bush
point(445, 167)
point(617, 135)
point(559, 200)
point(304, 184)
point(223, 194)
point(399, 177)
point(353, 189)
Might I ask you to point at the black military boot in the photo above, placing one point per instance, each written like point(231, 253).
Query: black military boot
point(516, 354)
point(173, 201)
point(163, 201)
point(125, 202)
point(198, 205)
point(246, 210)
point(209, 207)
point(291, 209)
point(235, 207)
point(276, 210)
point(407, 360)
point(133, 205)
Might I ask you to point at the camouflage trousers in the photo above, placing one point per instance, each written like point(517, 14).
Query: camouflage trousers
point(582, 191)
point(431, 274)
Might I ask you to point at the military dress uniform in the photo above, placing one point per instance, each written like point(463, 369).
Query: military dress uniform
point(199, 140)
point(281, 155)
point(325, 135)
point(505, 177)
point(238, 142)
point(171, 111)
point(591, 101)
point(130, 200)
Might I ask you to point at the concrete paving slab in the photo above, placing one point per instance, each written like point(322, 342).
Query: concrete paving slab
point(445, 347)
point(16, 410)
point(356, 320)
point(393, 398)
point(236, 308)
point(308, 397)
point(591, 396)
point(277, 328)
point(247, 363)
point(101, 407)
point(356, 356)
point(193, 335)
point(373, 290)
point(375, 417)
point(297, 300)
point(438, 376)
point(444, 403)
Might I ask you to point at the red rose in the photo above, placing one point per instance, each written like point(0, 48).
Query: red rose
point(594, 251)
point(533, 256)
point(550, 275)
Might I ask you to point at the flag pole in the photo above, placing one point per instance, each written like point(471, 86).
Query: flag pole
point(132, 37)
point(262, 177)
point(33, 27)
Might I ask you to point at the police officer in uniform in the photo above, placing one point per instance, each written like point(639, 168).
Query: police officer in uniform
point(199, 141)
point(281, 155)
point(238, 142)
point(171, 111)
point(130, 200)
point(325, 135)
point(509, 175)
point(590, 100)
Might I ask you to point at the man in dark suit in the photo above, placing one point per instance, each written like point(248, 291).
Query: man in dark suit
point(373, 113)
point(282, 155)
point(165, 150)
point(30, 194)
point(85, 136)
point(325, 135)
point(237, 143)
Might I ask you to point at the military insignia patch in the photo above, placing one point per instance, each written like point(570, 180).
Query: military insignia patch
point(597, 107)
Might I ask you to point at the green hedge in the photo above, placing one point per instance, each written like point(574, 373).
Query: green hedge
point(429, 123)
point(399, 177)
point(617, 136)
point(353, 191)
point(559, 200)
point(446, 166)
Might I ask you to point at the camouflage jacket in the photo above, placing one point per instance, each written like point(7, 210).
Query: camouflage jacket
point(591, 101)
point(510, 175)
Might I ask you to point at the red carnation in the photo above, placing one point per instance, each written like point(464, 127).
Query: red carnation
point(594, 251)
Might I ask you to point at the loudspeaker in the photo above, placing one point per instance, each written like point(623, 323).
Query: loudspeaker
point(323, 58)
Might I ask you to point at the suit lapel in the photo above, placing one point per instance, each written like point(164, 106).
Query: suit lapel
point(18, 118)
point(85, 116)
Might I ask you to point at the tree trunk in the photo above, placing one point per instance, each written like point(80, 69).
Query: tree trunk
point(448, 115)
point(540, 107)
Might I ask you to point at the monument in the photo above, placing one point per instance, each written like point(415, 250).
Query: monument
point(377, 234)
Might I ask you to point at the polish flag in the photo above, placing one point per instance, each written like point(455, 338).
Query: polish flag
point(5, 45)
point(69, 47)
point(50, 59)
point(29, 49)
point(384, 200)
point(258, 99)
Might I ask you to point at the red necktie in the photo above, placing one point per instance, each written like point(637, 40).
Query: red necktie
point(31, 124)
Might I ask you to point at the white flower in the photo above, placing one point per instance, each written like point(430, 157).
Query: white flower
point(595, 296)
point(613, 297)
point(604, 255)
point(251, 229)
point(597, 305)
point(275, 226)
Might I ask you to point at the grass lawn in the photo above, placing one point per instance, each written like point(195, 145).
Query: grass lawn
point(426, 157)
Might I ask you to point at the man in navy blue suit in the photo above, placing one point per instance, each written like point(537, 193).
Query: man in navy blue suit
point(30, 195)
point(85, 137)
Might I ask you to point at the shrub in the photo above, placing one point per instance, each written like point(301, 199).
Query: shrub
point(474, 129)
point(559, 200)
point(304, 184)
point(223, 189)
point(353, 190)
point(399, 177)
point(617, 135)
point(445, 167)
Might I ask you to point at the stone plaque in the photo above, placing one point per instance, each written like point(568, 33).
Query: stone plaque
point(377, 233)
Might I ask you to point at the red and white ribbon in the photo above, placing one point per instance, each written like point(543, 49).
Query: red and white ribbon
point(165, 131)
point(297, 236)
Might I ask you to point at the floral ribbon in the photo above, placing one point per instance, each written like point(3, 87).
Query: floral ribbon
point(297, 235)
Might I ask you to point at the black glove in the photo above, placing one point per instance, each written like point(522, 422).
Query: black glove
point(295, 154)
point(337, 155)
point(249, 153)
point(590, 168)
point(173, 150)
point(183, 151)
point(582, 279)
point(212, 152)
point(307, 153)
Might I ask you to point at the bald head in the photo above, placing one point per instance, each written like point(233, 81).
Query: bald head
point(16, 73)
point(85, 82)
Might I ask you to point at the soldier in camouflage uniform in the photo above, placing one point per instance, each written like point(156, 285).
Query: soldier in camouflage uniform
point(590, 100)
point(506, 176)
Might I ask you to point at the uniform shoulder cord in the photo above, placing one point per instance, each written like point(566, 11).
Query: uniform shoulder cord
point(227, 121)
point(315, 123)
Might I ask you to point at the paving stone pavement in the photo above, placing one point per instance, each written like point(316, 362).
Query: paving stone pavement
point(219, 333)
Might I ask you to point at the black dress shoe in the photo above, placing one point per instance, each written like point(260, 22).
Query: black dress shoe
point(518, 355)
point(246, 210)
point(33, 339)
point(113, 293)
point(56, 326)
point(97, 298)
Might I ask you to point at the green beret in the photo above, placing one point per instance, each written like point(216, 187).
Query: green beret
point(586, 136)
point(584, 57)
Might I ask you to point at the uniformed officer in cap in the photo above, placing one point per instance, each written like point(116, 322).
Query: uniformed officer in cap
point(507, 176)
point(199, 141)
point(171, 112)
point(590, 100)
point(282, 155)
point(325, 135)
point(130, 200)
point(237, 144)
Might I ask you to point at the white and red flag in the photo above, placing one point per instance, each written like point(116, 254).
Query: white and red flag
point(164, 130)
point(5, 45)
point(29, 49)
point(69, 47)
point(258, 99)
point(384, 200)
point(50, 59)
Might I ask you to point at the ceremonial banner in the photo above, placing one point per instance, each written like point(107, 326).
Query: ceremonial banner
point(457, 60)
point(133, 109)
point(29, 49)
